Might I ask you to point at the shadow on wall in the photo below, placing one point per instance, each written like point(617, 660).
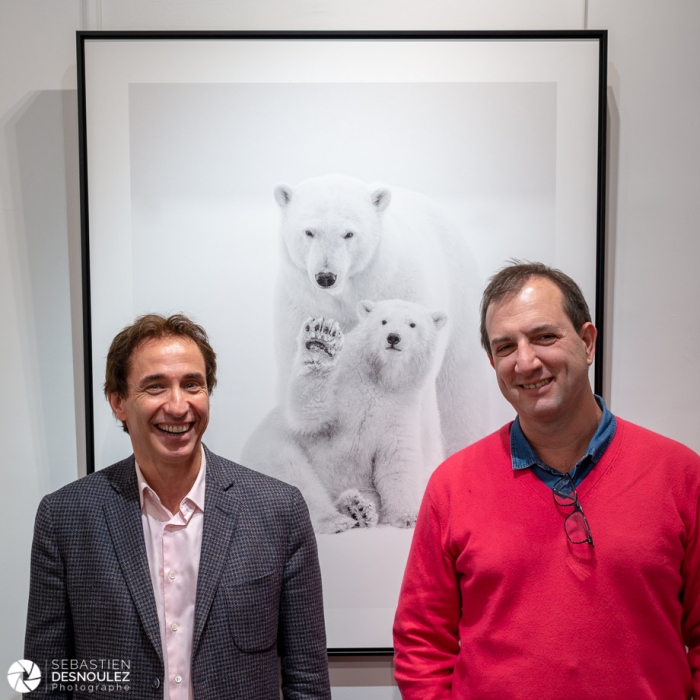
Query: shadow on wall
point(44, 245)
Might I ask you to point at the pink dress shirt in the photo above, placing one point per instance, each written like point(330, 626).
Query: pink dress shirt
point(173, 545)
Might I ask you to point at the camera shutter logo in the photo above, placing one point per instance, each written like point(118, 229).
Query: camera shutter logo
point(24, 676)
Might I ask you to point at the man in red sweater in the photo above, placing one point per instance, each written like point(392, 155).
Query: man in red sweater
point(557, 558)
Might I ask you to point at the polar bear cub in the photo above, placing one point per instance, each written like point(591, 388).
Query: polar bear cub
point(344, 240)
point(349, 433)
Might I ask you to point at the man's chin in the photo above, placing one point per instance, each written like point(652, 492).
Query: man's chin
point(182, 451)
point(535, 404)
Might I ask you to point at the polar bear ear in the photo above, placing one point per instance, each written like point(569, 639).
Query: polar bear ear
point(439, 319)
point(365, 308)
point(381, 198)
point(283, 194)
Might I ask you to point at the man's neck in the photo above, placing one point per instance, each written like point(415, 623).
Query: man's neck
point(561, 444)
point(172, 482)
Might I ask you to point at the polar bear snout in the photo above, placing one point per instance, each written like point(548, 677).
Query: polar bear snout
point(325, 279)
point(393, 339)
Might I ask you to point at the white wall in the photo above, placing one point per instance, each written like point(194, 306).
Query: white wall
point(655, 180)
point(38, 234)
point(654, 56)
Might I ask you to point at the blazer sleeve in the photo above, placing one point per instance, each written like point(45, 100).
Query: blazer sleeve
point(49, 633)
point(301, 640)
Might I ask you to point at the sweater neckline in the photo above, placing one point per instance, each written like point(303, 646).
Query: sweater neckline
point(590, 483)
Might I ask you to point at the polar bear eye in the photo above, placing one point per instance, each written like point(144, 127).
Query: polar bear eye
point(413, 325)
point(309, 233)
point(349, 234)
point(383, 323)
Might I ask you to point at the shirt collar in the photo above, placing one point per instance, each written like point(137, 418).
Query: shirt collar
point(523, 456)
point(195, 494)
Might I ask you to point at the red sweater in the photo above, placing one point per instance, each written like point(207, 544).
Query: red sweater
point(497, 604)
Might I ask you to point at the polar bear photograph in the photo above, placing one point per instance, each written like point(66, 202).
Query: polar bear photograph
point(344, 240)
point(266, 204)
point(351, 433)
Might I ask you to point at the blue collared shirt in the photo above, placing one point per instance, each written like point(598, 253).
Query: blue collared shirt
point(524, 456)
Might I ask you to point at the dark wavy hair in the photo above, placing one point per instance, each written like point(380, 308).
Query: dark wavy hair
point(149, 327)
point(511, 279)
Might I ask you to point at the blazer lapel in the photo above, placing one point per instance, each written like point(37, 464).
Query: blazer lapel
point(221, 511)
point(123, 515)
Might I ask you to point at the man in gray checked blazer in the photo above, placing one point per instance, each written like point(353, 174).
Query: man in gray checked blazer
point(99, 602)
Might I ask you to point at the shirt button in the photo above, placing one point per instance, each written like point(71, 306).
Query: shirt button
point(174, 627)
point(172, 575)
point(178, 679)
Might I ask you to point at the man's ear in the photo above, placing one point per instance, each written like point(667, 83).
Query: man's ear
point(116, 403)
point(490, 356)
point(588, 334)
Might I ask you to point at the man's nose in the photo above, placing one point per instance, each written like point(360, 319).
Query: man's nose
point(177, 402)
point(527, 360)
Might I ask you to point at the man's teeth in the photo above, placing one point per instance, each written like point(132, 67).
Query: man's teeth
point(537, 385)
point(174, 428)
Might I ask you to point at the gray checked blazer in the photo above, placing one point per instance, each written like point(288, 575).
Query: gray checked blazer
point(258, 589)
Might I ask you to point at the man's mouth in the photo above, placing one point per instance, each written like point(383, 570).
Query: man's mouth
point(537, 385)
point(174, 429)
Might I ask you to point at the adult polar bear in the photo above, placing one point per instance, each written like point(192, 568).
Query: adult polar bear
point(343, 241)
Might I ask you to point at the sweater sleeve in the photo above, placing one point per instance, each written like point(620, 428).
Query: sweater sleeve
point(426, 627)
point(691, 594)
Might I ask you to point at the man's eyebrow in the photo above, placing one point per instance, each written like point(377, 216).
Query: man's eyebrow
point(195, 375)
point(500, 339)
point(542, 328)
point(157, 377)
point(546, 328)
point(150, 378)
point(551, 327)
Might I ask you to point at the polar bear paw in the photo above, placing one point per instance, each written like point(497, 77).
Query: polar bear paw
point(361, 509)
point(332, 524)
point(322, 339)
point(404, 520)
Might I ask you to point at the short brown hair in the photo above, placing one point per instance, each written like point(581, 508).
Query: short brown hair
point(149, 327)
point(511, 279)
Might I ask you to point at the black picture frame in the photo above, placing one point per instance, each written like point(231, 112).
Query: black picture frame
point(118, 93)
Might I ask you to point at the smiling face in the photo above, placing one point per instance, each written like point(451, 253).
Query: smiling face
point(167, 405)
point(541, 360)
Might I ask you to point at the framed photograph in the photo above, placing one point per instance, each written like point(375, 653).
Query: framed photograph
point(330, 206)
